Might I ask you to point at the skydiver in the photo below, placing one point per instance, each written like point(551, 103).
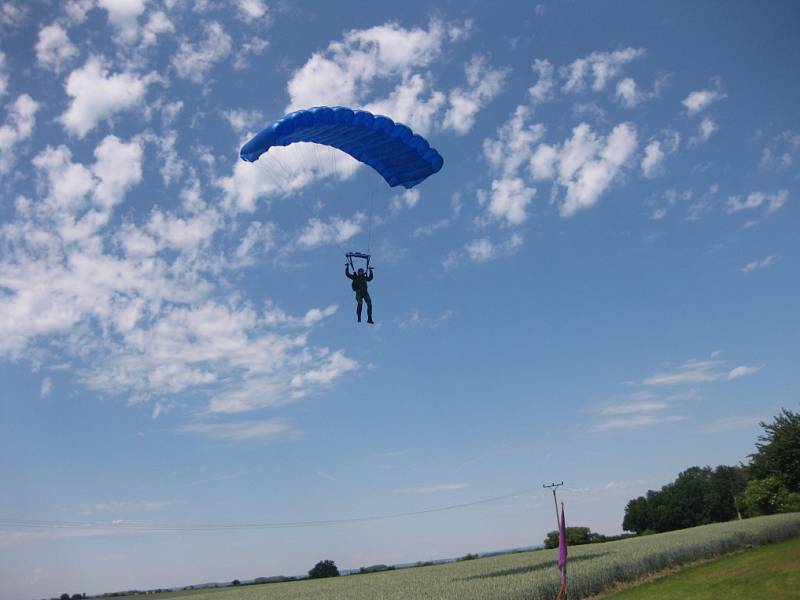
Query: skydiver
point(359, 286)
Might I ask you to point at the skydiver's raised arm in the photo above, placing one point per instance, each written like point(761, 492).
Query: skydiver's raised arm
point(347, 272)
point(371, 274)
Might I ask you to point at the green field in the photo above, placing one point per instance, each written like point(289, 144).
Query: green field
point(532, 575)
point(769, 572)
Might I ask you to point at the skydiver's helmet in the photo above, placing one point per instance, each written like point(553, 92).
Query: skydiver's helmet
point(361, 271)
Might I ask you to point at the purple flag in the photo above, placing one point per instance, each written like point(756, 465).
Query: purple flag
point(562, 546)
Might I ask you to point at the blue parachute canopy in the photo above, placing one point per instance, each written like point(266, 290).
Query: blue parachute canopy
point(392, 149)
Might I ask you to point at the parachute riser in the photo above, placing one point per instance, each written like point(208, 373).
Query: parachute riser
point(351, 255)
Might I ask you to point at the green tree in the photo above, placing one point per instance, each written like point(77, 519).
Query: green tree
point(324, 568)
point(699, 495)
point(778, 451)
point(575, 537)
point(725, 485)
point(764, 496)
point(637, 515)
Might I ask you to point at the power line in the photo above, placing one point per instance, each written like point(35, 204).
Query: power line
point(155, 527)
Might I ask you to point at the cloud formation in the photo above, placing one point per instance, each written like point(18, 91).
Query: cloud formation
point(97, 95)
point(17, 128)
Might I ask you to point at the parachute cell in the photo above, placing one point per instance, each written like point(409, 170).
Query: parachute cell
point(392, 149)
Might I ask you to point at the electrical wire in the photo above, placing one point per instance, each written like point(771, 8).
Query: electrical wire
point(156, 527)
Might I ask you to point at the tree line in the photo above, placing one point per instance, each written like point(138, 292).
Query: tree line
point(768, 483)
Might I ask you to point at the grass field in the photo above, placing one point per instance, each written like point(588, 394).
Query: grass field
point(531, 575)
point(769, 572)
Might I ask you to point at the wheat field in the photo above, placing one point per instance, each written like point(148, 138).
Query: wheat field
point(529, 575)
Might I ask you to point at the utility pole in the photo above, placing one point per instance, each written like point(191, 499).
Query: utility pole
point(553, 487)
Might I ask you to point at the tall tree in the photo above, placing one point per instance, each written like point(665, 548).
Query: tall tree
point(778, 451)
point(725, 485)
point(637, 515)
point(324, 568)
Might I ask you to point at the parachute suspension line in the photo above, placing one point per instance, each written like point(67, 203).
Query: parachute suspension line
point(371, 210)
point(372, 191)
point(336, 174)
point(287, 176)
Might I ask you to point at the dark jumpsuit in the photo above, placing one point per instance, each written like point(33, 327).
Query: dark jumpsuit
point(360, 287)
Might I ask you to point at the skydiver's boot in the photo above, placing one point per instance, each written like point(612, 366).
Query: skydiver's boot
point(369, 314)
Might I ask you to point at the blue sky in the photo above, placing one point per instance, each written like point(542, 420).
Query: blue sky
point(600, 285)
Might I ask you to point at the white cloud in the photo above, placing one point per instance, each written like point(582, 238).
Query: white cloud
point(274, 316)
point(335, 365)
point(344, 73)
point(484, 82)
point(413, 102)
point(157, 23)
point(96, 95)
point(3, 74)
point(54, 49)
point(416, 320)
point(698, 371)
point(653, 157)
point(228, 354)
point(457, 32)
point(704, 131)
point(265, 429)
point(781, 152)
point(243, 120)
point(480, 250)
point(259, 237)
point(754, 200)
point(600, 66)
point(483, 249)
point(194, 61)
point(636, 421)
point(406, 199)
point(76, 10)
point(700, 100)
point(17, 128)
point(692, 371)
point(124, 15)
point(172, 167)
point(68, 182)
point(585, 164)
point(252, 47)
point(13, 14)
point(430, 229)
point(542, 90)
point(628, 93)
point(636, 406)
point(508, 200)
point(337, 230)
point(251, 10)
point(514, 143)
point(759, 264)
point(742, 371)
point(118, 167)
point(186, 235)
point(47, 387)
